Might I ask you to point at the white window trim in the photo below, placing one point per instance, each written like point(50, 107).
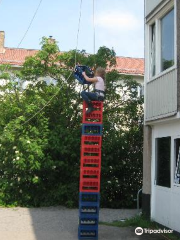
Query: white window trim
point(173, 166)
point(157, 20)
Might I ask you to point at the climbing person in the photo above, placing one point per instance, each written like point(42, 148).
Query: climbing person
point(99, 88)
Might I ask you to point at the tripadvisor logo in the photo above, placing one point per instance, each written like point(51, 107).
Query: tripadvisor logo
point(138, 231)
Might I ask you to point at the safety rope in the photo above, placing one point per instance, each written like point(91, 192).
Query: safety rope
point(41, 109)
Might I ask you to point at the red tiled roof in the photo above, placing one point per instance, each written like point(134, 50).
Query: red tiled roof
point(16, 56)
point(125, 65)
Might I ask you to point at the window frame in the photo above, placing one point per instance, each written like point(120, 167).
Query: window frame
point(174, 161)
point(157, 21)
point(150, 51)
point(156, 163)
point(160, 43)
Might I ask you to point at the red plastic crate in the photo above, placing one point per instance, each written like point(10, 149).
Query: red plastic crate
point(90, 161)
point(90, 150)
point(87, 173)
point(89, 185)
point(96, 104)
point(91, 140)
point(94, 117)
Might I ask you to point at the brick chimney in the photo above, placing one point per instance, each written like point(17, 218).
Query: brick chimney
point(51, 40)
point(2, 38)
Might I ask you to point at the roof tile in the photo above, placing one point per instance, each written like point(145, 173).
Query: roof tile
point(125, 65)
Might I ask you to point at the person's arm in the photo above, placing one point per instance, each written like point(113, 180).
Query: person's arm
point(94, 79)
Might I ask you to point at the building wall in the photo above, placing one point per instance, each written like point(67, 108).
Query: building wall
point(139, 79)
point(162, 101)
point(178, 52)
point(165, 201)
point(150, 5)
point(147, 154)
point(161, 90)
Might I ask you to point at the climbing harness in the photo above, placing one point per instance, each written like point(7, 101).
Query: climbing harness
point(100, 94)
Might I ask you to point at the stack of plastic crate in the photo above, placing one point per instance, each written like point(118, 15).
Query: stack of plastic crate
point(90, 171)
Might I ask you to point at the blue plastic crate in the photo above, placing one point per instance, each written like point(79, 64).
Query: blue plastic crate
point(89, 198)
point(89, 215)
point(85, 208)
point(88, 232)
point(88, 219)
point(78, 74)
point(92, 129)
point(90, 204)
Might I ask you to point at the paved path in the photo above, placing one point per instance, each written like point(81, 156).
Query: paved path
point(59, 223)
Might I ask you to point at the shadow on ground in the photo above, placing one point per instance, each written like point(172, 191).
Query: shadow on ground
point(61, 224)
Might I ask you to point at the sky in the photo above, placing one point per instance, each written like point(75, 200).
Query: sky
point(119, 24)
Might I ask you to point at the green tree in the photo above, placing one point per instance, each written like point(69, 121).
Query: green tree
point(40, 156)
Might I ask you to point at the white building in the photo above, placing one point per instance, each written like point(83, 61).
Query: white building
point(161, 170)
point(16, 56)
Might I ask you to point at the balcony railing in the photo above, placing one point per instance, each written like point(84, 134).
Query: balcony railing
point(161, 96)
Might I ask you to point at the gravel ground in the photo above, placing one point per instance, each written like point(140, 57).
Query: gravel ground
point(59, 223)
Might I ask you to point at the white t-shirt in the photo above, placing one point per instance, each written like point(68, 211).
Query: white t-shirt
point(99, 85)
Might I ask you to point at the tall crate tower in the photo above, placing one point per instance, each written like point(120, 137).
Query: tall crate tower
point(90, 172)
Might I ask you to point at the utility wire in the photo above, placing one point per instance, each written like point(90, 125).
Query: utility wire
point(79, 24)
point(27, 30)
point(94, 28)
point(24, 35)
point(41, 109)
point(45, 105)
point(29, 26)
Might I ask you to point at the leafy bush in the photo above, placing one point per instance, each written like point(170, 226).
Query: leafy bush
point(40, 156)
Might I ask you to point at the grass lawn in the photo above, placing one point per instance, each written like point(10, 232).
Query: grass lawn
point(140, 221)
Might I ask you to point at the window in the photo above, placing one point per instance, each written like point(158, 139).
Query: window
point(140, 90)
point(153, 50)
point(163, 156)
point(177, 161)
point(167, 41)
point(161, 41)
